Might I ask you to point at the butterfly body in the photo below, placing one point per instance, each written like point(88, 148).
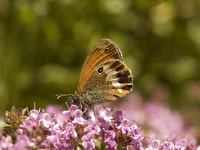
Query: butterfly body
point(104, 76)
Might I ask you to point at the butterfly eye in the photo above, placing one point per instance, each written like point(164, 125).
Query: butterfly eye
point(100, 70)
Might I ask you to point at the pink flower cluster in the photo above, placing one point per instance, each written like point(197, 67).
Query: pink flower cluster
point(157, 119)
point(70, 129)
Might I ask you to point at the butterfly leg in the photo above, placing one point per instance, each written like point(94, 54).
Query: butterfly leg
point(105, 108)
point(85, 113)
point(94, 111)
point(85, 110)
point(67, 105)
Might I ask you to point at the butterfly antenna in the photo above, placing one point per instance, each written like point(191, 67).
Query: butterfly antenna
point(58, 96)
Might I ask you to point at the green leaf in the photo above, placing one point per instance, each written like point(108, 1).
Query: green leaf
point(22, 118)
point(3, 124)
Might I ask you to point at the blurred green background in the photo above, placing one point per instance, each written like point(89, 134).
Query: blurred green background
point(43, 44)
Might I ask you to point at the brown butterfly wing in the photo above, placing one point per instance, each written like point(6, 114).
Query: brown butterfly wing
point(104, 50)
point(108, 82)
point(104, 76)
point(119, 80)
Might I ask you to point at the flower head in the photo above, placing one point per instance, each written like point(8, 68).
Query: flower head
point(71, 130)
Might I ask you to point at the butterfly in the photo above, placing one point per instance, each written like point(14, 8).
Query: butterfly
point(104, 76)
